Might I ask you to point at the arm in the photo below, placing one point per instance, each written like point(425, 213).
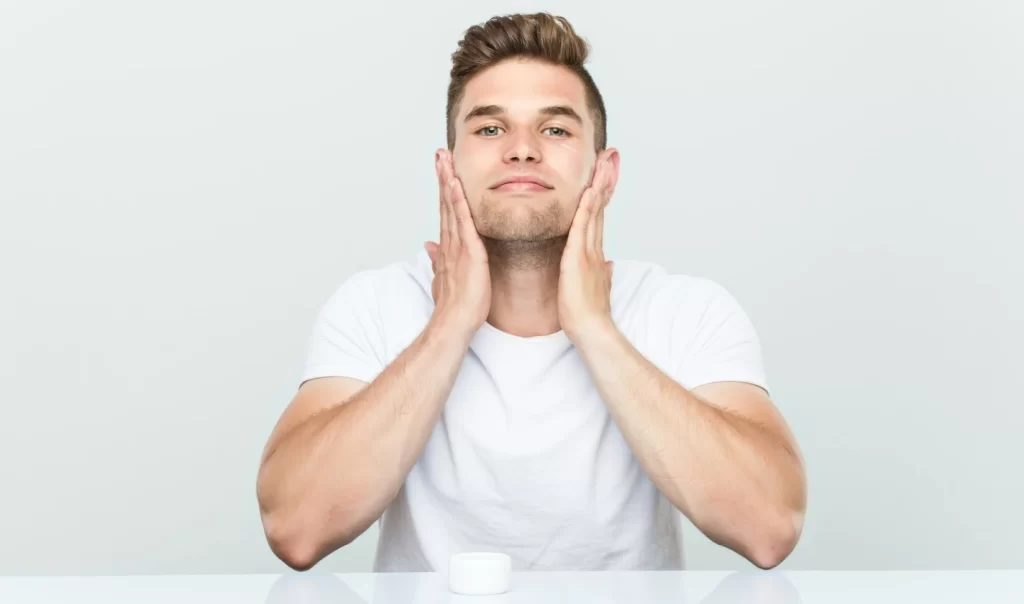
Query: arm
point(721, 453)
point(337, 459)
point(342, 450)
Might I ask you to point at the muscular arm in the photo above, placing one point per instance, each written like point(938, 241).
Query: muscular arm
point(342, 450)
point(721, 453)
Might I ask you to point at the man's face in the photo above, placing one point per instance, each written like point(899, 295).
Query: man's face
point(524, 120)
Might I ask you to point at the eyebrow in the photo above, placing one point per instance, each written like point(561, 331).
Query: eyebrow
point(493, 110)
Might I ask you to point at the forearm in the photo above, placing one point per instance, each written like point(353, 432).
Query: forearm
point(333, 475)
point(738, 482)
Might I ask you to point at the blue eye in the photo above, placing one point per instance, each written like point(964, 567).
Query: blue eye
point(489, 130)
point(562, 133)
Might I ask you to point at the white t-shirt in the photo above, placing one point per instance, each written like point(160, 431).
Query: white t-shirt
point(525, 458)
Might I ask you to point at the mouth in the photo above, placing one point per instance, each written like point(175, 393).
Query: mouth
point(522, 184)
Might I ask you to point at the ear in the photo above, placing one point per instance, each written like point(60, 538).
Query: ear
point(610, 158)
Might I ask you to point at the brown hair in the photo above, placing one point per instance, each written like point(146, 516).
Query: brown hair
point(539, 36)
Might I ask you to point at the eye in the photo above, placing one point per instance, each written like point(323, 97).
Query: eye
point(489, 130)
point(556, 131)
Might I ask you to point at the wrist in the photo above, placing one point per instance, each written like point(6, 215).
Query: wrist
point(594, 334)
point(451, 327)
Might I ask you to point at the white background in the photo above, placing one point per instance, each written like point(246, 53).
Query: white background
point(183, 184)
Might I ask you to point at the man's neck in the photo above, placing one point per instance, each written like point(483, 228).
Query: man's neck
point(524, 285)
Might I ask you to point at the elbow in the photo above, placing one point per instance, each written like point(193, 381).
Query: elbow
point(299, 542)
point(775, 545)
point(781, 530)
point(770, 554)
point(302, 534)
point(286, 531)
point(297, 559)
point(290, 544)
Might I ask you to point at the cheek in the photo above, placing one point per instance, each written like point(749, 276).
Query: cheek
point(473, 182)
point(466, 169)
point(575, 164)
point(476, 165)
point(582, 167)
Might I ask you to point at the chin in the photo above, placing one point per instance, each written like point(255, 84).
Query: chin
point(521, 197)
point(535, 229)
point(520, 217)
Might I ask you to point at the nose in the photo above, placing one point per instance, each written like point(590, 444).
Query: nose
point(522, 147)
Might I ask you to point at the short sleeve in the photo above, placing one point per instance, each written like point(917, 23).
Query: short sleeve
point(346, 340)
point(715, 341)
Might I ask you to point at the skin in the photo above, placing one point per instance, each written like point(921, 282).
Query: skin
point(530, 263)
point(721, 453)
point(524, 233)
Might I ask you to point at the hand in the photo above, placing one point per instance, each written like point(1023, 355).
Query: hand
point(462, 277)
point(585, 278)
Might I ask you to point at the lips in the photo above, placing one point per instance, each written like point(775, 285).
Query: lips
point(521, 183)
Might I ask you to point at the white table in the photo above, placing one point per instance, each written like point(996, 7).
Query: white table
point(687, 587)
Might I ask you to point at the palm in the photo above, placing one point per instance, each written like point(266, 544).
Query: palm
point(462, 277)
point(584, 284)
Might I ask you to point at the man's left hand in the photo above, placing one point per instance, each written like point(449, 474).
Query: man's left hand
point(585, 279)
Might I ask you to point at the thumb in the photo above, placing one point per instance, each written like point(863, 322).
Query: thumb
point(432, 251)
point(611, 265)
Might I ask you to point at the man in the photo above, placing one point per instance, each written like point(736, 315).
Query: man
point(510, 390)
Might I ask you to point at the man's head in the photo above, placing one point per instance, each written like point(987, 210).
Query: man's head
point(521, 105)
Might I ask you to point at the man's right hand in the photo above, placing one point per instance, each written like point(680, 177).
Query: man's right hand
point(462, 277)
point(374, 432)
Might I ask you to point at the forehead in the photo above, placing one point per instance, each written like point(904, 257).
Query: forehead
point(523, 86)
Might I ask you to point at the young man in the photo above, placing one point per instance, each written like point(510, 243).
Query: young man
point(510, 390)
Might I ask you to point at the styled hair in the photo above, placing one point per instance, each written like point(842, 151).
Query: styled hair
point(538, 36)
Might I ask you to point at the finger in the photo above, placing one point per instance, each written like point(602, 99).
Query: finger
point(445, 244)
point(591, 241)
point(453, 226)
point(467, 228)
point(596, 225)
point(596, 186)
point(578, 230)
point(432, 251)
point(448, 241)
point(449, 185)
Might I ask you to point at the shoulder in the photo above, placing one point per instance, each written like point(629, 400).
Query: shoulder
point(401, 284)
point(661, 295)
point(690, 326)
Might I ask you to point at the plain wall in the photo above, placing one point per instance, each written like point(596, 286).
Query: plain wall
point(184, 184)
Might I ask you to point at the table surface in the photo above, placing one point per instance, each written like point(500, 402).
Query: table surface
point(684, 587)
